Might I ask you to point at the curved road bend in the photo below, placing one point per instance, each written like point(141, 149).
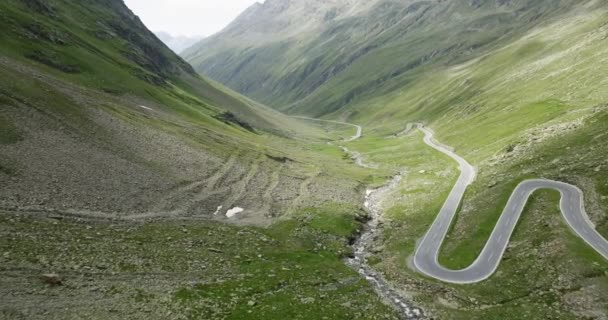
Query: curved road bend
point(353, 138)
point(356, 156)
point(426, 258)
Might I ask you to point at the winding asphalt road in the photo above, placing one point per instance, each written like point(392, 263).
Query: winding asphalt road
point(353, 138)
point(426, 258)
point(427, 252)
point(356, 156)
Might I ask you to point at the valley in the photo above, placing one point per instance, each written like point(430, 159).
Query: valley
point(340, 159)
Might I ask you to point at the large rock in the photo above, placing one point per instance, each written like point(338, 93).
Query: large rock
point(52, 279)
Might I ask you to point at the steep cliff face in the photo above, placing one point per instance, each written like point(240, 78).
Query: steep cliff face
point(316, 57)
point(113, 26)
point(141, 46)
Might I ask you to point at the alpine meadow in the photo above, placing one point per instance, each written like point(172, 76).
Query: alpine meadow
point(314, 159)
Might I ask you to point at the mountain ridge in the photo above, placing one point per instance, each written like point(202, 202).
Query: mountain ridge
point(516, 87)
point(150, 191)
point(299, 69)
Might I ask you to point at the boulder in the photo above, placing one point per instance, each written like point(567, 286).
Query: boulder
point(52, 279)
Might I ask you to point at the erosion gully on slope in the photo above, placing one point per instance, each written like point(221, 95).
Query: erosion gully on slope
point(373, 200)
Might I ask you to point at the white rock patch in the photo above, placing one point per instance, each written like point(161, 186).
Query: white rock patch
point(233, 212)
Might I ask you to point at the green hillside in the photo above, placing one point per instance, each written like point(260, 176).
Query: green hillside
point(107, 86)
point(319, 58)
point(133, 187)
point(119, 164)
point(534, 107)
point(516, 87)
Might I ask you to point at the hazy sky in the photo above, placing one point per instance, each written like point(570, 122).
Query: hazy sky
point(188, 17)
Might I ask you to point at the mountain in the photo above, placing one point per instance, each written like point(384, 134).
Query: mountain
point(103, 88)
point(133, 187)
point(125, 176)
point(177, 43)
point(100, 116)
point(299, 55)
point(514, 87)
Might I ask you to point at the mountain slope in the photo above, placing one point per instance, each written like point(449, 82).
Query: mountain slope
point(534, 107)
point(516, 87)
point(316, 57)
point(100, 116)
point(118, 166)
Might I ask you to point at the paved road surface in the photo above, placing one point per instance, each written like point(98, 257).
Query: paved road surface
point(353, 138)
point(427, 253)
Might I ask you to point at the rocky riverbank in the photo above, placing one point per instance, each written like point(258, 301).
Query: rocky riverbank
point(361, 246)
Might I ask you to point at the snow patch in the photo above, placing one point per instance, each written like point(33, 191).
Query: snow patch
point(218, 210)
point(233, 212)
point(144, 107)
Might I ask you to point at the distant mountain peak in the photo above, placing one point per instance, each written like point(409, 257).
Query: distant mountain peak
point(286, 18)
point(177, 43)
point(292, 54)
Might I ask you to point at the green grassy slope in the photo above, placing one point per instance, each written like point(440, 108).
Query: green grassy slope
point(114, 53)
point(535, 107)
point(184, 269)
point(517, 92)
point(112, 108)
point(98, 117)
point(518, 88)
point(354, 50)
point(114, 157)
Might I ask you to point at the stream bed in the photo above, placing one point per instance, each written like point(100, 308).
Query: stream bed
point(361, 247)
